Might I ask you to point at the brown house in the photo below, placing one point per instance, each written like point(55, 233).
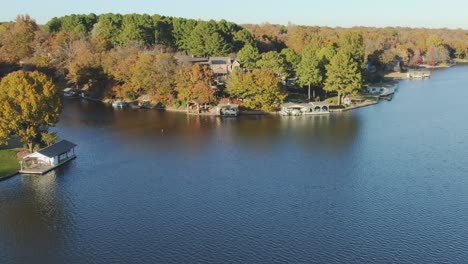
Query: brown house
point(221, 66)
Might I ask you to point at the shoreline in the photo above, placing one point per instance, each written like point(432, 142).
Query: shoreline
point(242, 112)
point(389, 77)
point(8, 176)
point(9, 162)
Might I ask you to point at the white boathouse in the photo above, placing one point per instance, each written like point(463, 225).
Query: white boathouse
point(298, 109)
point(48, 158)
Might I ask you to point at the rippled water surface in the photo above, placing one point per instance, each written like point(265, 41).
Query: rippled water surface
point(383, 184)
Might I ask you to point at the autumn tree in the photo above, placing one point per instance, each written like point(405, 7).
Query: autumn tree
point(17, 42)
point(259, 89)
point(434, 40)
point(461, 49)
point(195, 83)
point(49, 138)
point(85, 69)
point(298, 37)
point(416, 59)
point(436, 55)
point(153, 74)
point(29, 104)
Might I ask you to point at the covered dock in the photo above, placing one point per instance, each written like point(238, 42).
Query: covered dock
point(299, 109)
point(48, 158)
point(228, 109)
point(419, 75)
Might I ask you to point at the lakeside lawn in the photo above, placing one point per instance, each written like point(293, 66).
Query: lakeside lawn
point(8, 162)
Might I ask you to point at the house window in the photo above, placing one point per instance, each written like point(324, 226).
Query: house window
point(63, 157)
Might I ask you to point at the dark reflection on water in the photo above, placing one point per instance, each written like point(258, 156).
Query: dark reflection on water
point(383, 184)
point(33, 217)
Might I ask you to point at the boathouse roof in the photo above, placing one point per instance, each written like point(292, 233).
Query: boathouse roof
point(228, 106)
point(323, 103)
point(289, 104)
point(57, 148)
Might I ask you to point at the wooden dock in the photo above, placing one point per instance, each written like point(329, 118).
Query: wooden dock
point(44, 169)
point(419, 75)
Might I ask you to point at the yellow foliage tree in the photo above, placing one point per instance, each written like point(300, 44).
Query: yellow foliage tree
point(260, 89)
point(29, 104)
point(194, 82)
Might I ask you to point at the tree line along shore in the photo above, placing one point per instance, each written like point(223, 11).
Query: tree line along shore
point(168, 62)
point(138, 56)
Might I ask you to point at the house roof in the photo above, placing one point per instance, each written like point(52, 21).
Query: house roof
point(57, 149)
point(295, 105)
point(184, 59)
point(228, 106)
point(319, 103)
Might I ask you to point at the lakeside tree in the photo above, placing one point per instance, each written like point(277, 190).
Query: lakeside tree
point(17, 40)
point(308, 70)
point(29, 104)
point(259, 89)
point(243, 38)
point(248, 56)
point(273, 61)
point(87, 50)
point(108, 27)
point(206, 40)
point(138, 29)
point(353, 44)
point(49, 138)
point(154, 74)
point(292, 60)
point(85, 67)
point(344, 74)
point(195, 83)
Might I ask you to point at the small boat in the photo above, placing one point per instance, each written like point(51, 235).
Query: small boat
point(119, 104)
point(134, 106)
point(70, 94)
point(145, 105)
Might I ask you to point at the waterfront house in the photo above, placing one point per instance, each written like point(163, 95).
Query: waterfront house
point(221, 66)
point(48, 158)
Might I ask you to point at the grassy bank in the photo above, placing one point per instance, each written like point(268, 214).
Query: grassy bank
point(8, 162)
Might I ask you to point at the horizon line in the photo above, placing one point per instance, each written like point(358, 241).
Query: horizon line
point(289, 23)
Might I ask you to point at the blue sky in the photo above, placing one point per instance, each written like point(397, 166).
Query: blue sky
point(412, 13)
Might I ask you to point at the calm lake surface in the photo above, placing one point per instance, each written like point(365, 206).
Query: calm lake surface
point(383, 184)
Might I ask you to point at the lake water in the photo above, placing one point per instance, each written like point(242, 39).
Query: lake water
point(382, 184)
